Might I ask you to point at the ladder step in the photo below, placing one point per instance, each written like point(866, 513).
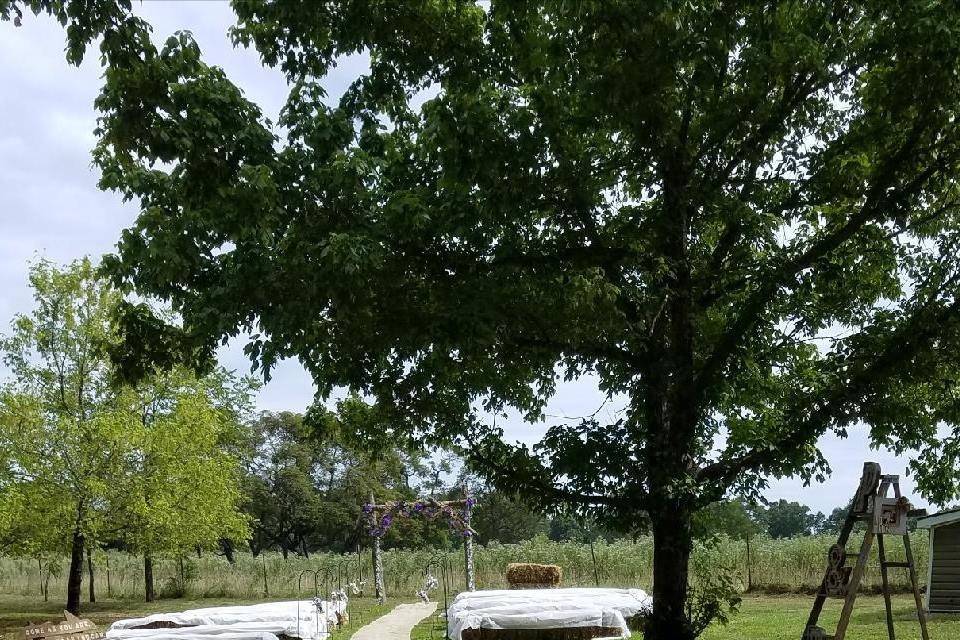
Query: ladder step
point(902, 565)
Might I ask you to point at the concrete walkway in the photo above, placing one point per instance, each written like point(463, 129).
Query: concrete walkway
point(397, 624)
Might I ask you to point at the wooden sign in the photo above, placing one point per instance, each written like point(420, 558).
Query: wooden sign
point(890, 516)
point(72, 628)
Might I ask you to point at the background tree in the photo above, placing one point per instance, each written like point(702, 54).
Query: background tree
point(506, 518)
point(311, 476)
point(741, 217)
point(834, 522)
point(60, 436)
point(785, 519)
point(284, 497)
point(727, 517)
point(182, 483)
point(85, 460)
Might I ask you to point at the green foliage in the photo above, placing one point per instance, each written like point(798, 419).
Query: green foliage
point(741, 217)
point(438, 283)
point(785, 519)
point(715, 596)
point(61, 438)
point(731, 518)
point(155, 468)
point(182, 484)
point(506, 518)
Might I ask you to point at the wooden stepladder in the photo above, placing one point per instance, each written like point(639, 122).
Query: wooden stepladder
point(884, 516)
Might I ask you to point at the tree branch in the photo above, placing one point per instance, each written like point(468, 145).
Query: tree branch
point(876, 203)
point(903, 345)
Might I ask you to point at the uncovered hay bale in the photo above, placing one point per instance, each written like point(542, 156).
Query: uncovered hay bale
point(522, 575)
point(163, 624)
point(569, 633)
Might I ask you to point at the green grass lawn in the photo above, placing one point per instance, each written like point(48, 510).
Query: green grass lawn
point(776, 617)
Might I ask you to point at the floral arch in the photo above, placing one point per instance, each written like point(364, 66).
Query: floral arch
point(456, 513)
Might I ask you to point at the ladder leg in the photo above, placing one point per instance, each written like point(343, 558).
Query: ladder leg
point(821, 598)
point(854, 585)
point(921, 614)
point(886, 587)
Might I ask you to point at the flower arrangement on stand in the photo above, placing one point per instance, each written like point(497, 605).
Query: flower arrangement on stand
point(380, 522)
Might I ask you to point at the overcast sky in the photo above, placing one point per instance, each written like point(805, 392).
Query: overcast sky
point(50, 205)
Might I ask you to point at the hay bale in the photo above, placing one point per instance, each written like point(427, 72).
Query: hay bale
point(163, 624)
point(570, 633)
point(523, 575)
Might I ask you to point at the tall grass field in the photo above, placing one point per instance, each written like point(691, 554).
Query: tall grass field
point(776, 566)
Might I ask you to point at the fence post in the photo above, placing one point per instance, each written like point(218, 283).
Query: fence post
point(468, 539)
point(378, 587)
point(263, 558)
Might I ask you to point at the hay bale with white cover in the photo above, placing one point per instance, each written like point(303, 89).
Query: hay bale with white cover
point(573, 633)
point(305, 619)
point(545, 614)
point(525, 575)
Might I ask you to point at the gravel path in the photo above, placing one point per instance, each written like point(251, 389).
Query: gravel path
point(397, 624)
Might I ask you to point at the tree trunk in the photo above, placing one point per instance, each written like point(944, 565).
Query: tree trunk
point(93, 591)
point(148, 593)
point(75, 577)
point(183, 577)
point(266, 589)
point(672, 544)
point(227, 549)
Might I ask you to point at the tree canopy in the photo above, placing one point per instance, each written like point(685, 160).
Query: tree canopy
point(785, 519)
point(740, 216)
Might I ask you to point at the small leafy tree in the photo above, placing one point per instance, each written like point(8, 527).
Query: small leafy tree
point(183, 487)
point(85, 459)
point(740, 217)
point(63, 443)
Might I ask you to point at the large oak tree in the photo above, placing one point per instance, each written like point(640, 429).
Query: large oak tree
point(741, 216)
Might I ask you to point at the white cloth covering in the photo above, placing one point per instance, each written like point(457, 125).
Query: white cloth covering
point(545, 609)
point(254, 622)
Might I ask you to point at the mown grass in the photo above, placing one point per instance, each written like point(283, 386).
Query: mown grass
point(784, 617)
